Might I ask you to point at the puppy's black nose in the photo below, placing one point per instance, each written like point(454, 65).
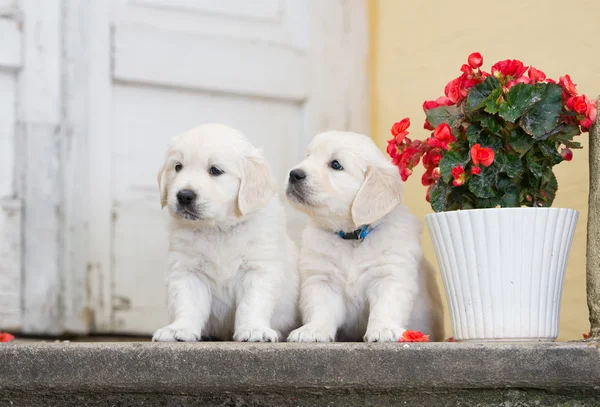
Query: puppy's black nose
point(186, 196)
point(296, 176)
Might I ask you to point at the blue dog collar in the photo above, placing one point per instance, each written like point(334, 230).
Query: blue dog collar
point(358, 234)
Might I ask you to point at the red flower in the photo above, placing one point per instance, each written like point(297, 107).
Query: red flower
point(475, 170)
point(483, 155)
point(435, 173)
point(391, 149)
point(475, 60)
point(451, 339)
point(399, 129)
point(443, 101)
point(536, 75)
point(586, 124)
point(458, 173)
point(579, 103)
point(508, 86)
point(427, 179)
point(436, 156)
point(432, 104)
point(427, 193)
point(466, 69)
point(405, 173)
point(508, 68)
point(6, 337)
point(453, 90)
point(568, 85)
point(567, 154)
point(429, 104)
point(427, 126)
point(413, 336)
point(443, 134)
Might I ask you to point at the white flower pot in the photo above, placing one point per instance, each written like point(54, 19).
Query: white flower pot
point(503, 270)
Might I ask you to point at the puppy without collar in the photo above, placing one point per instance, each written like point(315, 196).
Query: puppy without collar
point(363, 274)
point(232, 270)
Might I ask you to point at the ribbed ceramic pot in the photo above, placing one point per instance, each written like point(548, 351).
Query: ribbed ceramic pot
point(503, 270)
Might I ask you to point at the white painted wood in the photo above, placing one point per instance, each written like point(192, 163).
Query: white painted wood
point(183, 60)
point(100, 136)
point(10, 265)
point(267, 10)
point(11, 316)
point(7, 134)
point(10, 43)
point(339, 97)
point(39, 114)
point(7, 7)
point(10, 211)
point(85, 296)
point(229, 23)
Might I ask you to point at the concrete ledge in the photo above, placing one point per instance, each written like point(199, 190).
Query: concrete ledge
point(301, 375)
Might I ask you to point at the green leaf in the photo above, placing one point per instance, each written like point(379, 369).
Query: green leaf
point(542, 117)
point(510, 199)
point(490, 123)
point(483, 203)
point(479, 94)
point(491, 140)
point(482, 186)
point(509, 164)
point(520, 141)
point(438, 196)
point(564, 135)
point(535, 169)
point(492, 105)
point(518, 99)
point(569, 143)
point(548, 149)
point(566, 131)
point(444, 114)
point(549, 187)
point(450, 160)
point(473, 132)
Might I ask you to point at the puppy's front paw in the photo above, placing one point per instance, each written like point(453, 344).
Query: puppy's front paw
point(178, 331)
point(308, 333)
point(255, 334)
point(383, 334)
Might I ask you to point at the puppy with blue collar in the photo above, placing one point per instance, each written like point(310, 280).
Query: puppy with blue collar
point(363, 274)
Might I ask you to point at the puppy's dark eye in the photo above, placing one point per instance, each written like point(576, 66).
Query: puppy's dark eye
point(335, 165)
point(178, 167)
point(214, 171)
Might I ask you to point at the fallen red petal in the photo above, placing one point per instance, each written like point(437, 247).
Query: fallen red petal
point(413, 336)
point(6, 337)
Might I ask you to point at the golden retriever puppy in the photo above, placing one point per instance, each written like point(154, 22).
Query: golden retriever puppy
point(362, 270)
point(232, 267)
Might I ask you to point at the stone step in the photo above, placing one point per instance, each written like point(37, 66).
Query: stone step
point(285, 374)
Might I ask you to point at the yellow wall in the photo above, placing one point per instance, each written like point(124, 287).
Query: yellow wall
point(418, 46)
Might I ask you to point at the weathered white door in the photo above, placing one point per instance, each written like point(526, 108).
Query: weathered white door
point(279, 70)
point(10, 206)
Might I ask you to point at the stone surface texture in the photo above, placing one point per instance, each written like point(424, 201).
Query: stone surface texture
point(243, 374)
point(593, 232)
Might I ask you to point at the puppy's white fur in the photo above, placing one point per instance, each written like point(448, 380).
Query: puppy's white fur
point(232, 267)
point(373, 289)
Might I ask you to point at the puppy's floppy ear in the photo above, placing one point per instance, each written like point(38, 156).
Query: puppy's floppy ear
point(380, 192)
point(257, 186)
point(162, 185)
